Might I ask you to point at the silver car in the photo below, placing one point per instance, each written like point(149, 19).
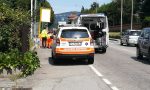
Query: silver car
point(130, 37)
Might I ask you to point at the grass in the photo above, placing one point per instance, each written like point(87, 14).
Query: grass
point(14, 77)
point(115, 35)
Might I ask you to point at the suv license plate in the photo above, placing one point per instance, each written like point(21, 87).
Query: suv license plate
point(75, 43)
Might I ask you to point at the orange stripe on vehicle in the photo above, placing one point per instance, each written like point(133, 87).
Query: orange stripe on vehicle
point(74, 51)
point(86, 52)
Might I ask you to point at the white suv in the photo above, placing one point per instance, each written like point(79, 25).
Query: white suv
point(73, 42)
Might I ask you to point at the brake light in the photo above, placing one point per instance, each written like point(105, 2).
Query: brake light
point(91, 42)
point(92, 34)
point(58, 42)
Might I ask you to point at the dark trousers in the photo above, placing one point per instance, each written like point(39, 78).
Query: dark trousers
point(44, 39)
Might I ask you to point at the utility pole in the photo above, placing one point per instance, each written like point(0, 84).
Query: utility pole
point(121, 15)
point(96, 5)
point(35, 25)
point(132, 16)
point(31, 19)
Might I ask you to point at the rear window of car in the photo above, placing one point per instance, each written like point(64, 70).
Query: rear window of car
point(135, 33)
point(74, 33)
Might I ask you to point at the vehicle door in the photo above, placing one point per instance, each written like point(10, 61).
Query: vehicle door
point(145, 41)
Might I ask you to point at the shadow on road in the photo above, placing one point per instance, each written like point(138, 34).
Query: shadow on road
point(144, 60)
point(128, 45)
point(68, 62)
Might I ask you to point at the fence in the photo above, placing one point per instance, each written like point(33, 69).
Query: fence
point(116, 28)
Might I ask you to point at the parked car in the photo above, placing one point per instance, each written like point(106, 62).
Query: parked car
point(73, 42)
point(130, 37)
point(143, 46)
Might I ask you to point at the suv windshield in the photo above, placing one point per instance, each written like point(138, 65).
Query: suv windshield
point(74, 33)
point(135, 33)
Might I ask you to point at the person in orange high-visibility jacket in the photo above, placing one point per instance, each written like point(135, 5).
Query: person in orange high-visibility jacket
point(49, 39)
point(44, 37)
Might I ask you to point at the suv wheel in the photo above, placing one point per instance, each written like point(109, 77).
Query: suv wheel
point(90, 60)
point(127, 43)
point(121, 42)
point(149, 55)
point(138, 53)
point(54, 59)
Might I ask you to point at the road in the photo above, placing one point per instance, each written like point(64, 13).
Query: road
point(120, 66)
point(117, 69)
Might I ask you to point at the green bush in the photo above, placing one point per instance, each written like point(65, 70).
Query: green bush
point(12, 20)
point(30, 63)
point(27, 63)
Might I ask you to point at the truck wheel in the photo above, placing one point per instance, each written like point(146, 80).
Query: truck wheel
point(138, 53)
point(90, 60)
point(104, 50)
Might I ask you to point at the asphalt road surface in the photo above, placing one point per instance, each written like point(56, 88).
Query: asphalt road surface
point(117, 69)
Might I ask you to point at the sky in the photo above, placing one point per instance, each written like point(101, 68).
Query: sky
point(60, 6)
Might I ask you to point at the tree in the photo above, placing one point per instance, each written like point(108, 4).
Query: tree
point(12, 21)
point(82, 9)
point(145, 16)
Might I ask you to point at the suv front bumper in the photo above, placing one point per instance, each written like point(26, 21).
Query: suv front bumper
point(76, 56)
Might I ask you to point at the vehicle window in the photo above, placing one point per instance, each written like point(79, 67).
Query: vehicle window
point(94, 27)
point(74, 33)
point(135, 33)
point(147, 31)
point(142, 34)
point(126, 33)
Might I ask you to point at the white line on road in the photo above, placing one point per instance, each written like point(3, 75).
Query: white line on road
point(105, 80)
point(114, 88)
point(96, 71)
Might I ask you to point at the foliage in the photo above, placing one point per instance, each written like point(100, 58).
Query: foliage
point(27, 63)
point(30, 63)
point(146, 8)
point(115, 35)
point(14, 18)
point(11, 22)
point(112, 9)
point(146, 21)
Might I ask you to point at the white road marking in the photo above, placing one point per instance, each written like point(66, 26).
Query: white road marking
point(114, 88)
point(104, 79)
point(96, 71)
point(107, 81)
